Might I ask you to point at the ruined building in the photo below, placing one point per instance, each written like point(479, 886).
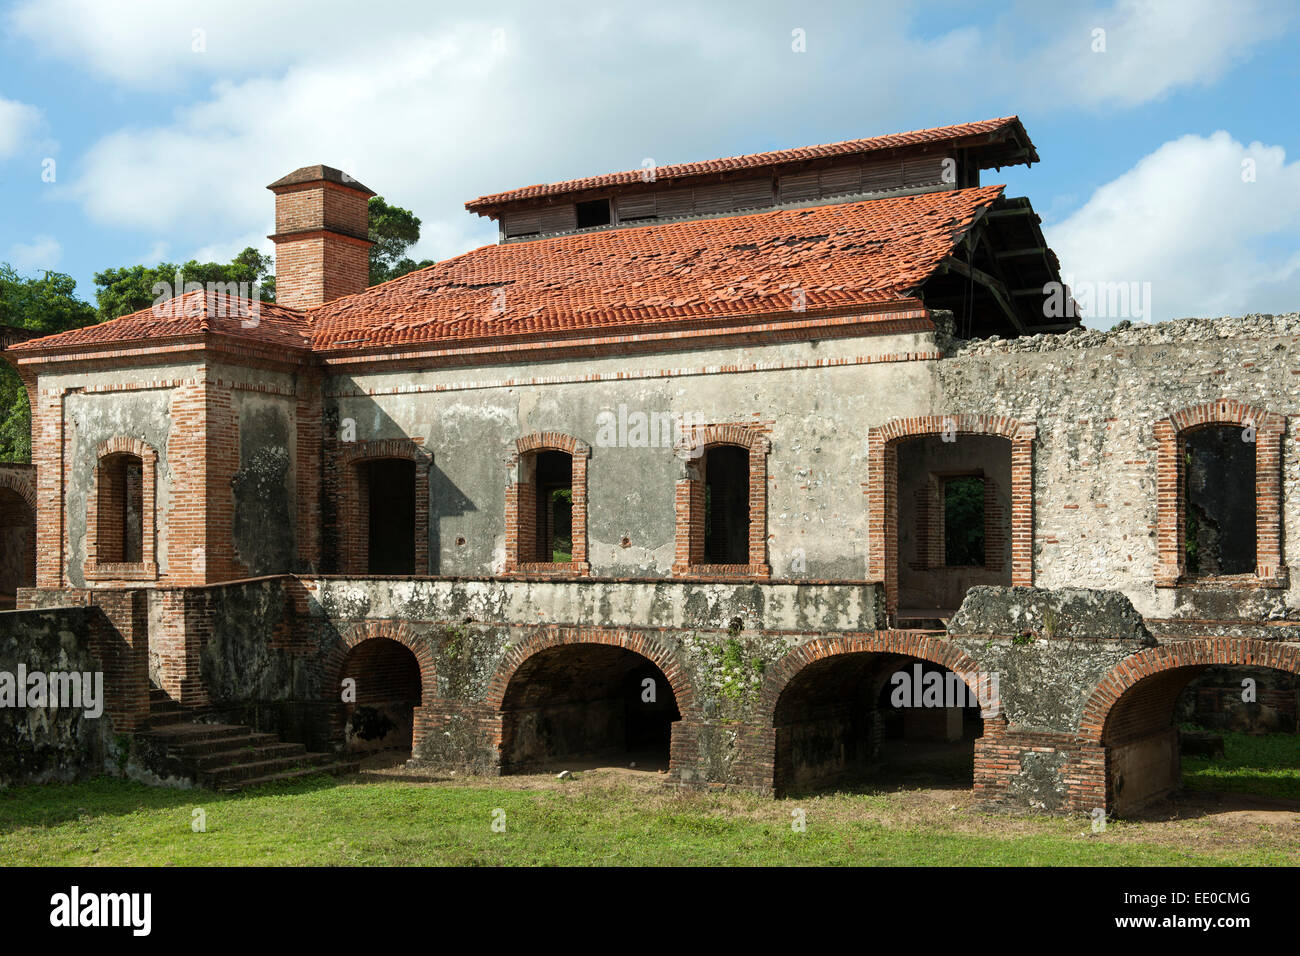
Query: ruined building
point(685, 468)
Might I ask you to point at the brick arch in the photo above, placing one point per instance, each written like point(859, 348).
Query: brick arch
point(407, 448)
point(882, 489)
point(1154, 661)
point(918, 644)
point(21, 487)
point(1170, 434)
point(123, 445)
point(705, 436)
point(398, 631)
point(146, 569)
point(550, 441)
point(521, 506)
point(649, 646)
point(354, 527)
point(401, 633)
point(688, 558)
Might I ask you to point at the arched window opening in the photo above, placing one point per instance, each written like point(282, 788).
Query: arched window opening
point(551, 540)
point(726, 505)
point(953, 527)
point(120, 510)
point(388, 488)
point(1219, 500)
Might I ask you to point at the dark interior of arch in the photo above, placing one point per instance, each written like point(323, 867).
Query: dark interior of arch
point(17, 546)
point(837, 723)
point(388, 689)
point(586, 701)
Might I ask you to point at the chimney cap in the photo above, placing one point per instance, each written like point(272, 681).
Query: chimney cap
point(317, 174)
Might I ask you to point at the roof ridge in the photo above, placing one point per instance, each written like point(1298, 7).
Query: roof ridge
point(742, 160)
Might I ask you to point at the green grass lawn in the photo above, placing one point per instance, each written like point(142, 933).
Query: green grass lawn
point(591, 819)
point(1267, 765)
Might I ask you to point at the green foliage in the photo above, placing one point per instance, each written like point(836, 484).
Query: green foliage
point(132, 288)
point(963, 521)
point(45, 304)
point(740, 673)
point(562, 522)
point(393, 230)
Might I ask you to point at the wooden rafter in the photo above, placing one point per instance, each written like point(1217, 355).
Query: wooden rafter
point(993, 284)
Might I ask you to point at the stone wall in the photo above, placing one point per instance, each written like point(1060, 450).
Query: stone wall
point(43, 743)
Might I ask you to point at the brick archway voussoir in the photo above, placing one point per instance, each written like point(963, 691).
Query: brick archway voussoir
point(21, 487)
point(1220, 651)
point(647, 646)
point(918, 644)
point(397, 631)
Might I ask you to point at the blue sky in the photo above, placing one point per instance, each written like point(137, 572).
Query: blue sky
point(165, 120)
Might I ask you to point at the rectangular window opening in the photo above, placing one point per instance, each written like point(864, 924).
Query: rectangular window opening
point(593, 213)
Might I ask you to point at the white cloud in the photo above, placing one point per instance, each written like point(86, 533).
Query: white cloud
point(225, 251)
point(435, 117)
point(428, 108)
point(18, 124)
point(1187, 219)
point(43, 252)
point(1151, 47)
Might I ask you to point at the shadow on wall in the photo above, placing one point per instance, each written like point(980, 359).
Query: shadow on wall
point(367, 421)
point(264, 524)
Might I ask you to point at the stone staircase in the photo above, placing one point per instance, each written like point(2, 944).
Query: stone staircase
point(227, 757)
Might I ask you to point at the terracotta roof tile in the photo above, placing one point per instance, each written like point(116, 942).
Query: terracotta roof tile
point(863, 254)
point(852, 254)
point(189, 315)
point(751, 161)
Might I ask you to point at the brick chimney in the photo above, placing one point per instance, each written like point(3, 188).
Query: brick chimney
point(322, 249)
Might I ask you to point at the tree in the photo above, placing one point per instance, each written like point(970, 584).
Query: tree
point(47, 304)
point(393, 230)
point(132, 288)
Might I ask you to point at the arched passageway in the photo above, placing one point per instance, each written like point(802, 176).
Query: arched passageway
point(875, 719)
point(387, 692)
point(1232, 727)
point(17, 546)
point(577, 705)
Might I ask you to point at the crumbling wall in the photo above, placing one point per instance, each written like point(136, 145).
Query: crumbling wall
point(44, 743)
point(1095, 397)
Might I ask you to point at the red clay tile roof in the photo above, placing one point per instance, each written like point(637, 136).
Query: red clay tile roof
point(848, 255)
point(189, 315)
point(755, 160)
point(864, 254)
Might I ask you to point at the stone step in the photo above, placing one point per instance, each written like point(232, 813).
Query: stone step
point(214, 745)
point(232, 774)
point(179, 733)
point(335, 769)
point(228, 756)
point(240, 755)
